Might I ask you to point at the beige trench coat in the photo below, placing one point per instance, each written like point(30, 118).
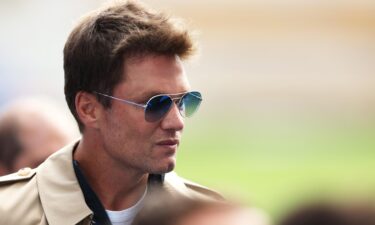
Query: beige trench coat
point(50, 194)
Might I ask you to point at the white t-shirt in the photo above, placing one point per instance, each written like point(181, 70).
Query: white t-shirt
point(126, 216)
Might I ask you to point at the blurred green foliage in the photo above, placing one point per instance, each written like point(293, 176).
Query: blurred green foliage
point(277, 166)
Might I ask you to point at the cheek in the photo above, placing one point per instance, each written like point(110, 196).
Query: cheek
point(141, 132)
point(130, 126)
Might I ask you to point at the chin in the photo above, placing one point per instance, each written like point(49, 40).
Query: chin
point(170, 167)
point(165, 169)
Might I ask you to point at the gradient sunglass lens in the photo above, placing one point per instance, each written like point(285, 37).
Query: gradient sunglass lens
point(157, 107)
point(190, 103)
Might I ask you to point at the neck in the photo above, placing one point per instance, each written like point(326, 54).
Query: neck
point(116, 186)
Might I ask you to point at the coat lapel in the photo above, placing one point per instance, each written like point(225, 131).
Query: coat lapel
point(60, 194)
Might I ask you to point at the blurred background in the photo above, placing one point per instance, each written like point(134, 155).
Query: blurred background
point(289, 91)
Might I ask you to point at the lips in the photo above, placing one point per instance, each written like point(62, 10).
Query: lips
point(170, 142)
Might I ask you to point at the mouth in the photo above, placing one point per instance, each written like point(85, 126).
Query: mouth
point(169, 143)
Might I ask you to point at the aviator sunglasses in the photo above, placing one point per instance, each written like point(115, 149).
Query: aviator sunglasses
point(159, 105)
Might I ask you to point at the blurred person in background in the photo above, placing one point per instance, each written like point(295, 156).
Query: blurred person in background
point(163, 210)
point(325, 213)
point(126, 86)
point(30, 130)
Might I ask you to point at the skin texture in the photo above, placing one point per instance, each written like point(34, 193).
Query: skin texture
point(119, 147)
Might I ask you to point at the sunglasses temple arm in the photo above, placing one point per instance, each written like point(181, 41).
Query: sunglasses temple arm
point(131, 103)
point(123, 100)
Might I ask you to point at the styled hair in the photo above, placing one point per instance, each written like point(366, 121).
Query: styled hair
point(98, 47)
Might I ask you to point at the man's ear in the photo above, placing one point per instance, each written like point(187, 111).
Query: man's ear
point(89, 110)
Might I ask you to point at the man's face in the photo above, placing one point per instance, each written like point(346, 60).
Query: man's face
point(147, 147)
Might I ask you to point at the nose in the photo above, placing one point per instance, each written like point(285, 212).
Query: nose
point(173, 120)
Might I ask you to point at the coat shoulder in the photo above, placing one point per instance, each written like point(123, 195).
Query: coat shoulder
point(190, 188)
point(202, 189)
point(22, 175)
point(20, 198)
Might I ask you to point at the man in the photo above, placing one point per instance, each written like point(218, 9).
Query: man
point(24, 125)
point(126, 86)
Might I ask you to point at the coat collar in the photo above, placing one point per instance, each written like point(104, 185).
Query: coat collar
point(60, 193)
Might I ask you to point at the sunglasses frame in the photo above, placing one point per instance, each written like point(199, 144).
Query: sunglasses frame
point(183, 94)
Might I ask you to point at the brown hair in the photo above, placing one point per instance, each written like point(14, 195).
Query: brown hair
point(99, 45)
